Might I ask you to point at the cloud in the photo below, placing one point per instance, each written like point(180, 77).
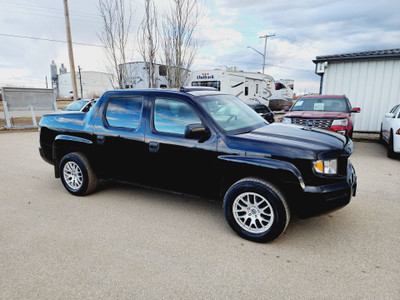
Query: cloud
point(304, 29)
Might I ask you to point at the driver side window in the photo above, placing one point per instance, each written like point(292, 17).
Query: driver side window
point(172, 116)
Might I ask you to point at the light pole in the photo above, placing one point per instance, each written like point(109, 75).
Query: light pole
point(265, 48)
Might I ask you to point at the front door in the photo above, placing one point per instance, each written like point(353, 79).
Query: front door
point(176, 162)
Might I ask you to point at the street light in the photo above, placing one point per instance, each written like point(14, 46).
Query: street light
point(265, 48)
point(263, 55)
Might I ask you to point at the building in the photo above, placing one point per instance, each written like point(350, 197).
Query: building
point(91, 84)
point(369, 79)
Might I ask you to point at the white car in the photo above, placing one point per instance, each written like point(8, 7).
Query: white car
point(83, 105)
point(390, 130)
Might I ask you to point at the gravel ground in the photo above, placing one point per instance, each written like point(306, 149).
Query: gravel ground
point(134, 243)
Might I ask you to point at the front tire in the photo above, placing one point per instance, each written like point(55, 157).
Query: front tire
point(256, 210)
point(77, 175)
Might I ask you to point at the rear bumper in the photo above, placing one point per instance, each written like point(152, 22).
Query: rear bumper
point(317, 200)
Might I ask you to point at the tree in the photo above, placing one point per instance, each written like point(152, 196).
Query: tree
point(179, 45)
point(114, 37)
point(148, 37)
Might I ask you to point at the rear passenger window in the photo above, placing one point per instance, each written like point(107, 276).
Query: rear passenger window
point(124, 112)
point(171, 116)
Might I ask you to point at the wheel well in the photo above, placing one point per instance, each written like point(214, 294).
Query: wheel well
point(282, 179)
point(62, 148)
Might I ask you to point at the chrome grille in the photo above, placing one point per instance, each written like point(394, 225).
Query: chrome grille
point(319, 123)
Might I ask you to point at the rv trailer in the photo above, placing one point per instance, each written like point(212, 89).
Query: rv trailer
point(137, 76)
point(283, 95)
point(250, 87)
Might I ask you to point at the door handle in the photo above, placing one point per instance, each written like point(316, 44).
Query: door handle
point(154, 146)
point(100, 139)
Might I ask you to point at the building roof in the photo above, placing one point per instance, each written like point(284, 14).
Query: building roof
point(377, 54)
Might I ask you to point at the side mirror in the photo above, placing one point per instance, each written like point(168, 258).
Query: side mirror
point(356, 110)
point(197, 131)
point(389, 115)
point(286, 108)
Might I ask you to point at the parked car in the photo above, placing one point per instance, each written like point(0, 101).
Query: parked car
point(390, 131)
point(331, 112)
point(205, 143)
point(263, 111)
point(83, 105)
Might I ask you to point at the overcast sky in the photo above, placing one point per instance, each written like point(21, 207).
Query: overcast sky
point(303, 30)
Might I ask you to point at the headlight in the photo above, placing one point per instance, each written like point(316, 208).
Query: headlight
point(340, 122)
point(287, 120)
point(326, 166)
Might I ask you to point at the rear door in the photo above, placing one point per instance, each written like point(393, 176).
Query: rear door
point(119, 137)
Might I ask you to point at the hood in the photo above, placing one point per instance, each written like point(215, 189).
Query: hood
point(317, 114)
point(290, 141)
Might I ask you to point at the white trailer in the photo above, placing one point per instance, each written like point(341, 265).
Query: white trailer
point(249, 87)
point(137, 77)
point(283, 95)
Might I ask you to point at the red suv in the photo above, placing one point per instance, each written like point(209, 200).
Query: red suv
point(331, 112)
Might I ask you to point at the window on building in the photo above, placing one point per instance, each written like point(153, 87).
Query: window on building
point(246, 91)
point(124, 112)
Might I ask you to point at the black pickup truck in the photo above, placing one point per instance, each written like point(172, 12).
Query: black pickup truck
point(206, 143)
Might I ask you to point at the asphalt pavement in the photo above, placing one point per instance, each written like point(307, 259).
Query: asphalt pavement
point(129, 242)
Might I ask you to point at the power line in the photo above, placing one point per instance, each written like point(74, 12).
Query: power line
point(48, 40)
point(99, 46)
point(49, 9)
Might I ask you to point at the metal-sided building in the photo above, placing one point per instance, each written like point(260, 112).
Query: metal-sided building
point(371, 80)
point(91, 84)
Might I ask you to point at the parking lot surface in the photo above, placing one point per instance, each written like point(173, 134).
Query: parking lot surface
point(130, 242)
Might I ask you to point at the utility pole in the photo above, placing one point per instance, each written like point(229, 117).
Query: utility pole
point(265, 47)
point(80, 80)
point(70, 51)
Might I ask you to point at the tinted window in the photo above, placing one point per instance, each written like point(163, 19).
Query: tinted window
point(262, 109)
point(172, 116)
point(124, 112)
point(214, 84)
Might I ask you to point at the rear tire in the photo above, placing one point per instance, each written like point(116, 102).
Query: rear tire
point(77, 175)
point(256, 210)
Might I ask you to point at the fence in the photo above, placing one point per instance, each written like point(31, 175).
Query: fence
point(26, 100)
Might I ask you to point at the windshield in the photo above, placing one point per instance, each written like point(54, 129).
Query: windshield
point(76, 105)
point(231, 114)
point(321, 104)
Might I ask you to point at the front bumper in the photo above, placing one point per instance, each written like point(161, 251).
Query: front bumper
point(317, 200)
